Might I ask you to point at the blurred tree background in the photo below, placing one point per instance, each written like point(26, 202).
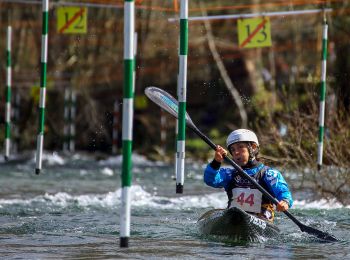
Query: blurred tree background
point(278, 85)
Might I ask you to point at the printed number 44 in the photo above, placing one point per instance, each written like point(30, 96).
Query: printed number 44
point(249, 200)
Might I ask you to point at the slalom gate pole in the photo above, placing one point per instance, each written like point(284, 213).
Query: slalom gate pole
point(322, 94)
point(181, 94)
point(69, 119)
point(128, 114)
point(44, 43)
point(8, 95)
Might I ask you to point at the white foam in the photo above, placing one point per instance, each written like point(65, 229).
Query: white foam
point(142, 198)
point(51, 159)
point(107, 171)
point(113, 160)
point(136, 160)
point(83, 172)
point(319, 204)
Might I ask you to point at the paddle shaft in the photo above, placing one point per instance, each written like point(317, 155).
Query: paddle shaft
point(304, 228)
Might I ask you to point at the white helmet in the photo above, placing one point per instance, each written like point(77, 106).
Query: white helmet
point(241, 135)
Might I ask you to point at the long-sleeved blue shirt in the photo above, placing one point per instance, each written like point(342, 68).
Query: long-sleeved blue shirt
point(276, 184)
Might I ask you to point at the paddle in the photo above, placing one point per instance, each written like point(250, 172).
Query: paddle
point(170, 104)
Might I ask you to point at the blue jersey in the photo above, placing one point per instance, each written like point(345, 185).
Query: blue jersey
point(275, 183)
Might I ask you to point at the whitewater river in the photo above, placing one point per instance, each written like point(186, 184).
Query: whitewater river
point(71, 211)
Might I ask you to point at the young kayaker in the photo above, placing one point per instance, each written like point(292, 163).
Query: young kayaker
point(243, 145)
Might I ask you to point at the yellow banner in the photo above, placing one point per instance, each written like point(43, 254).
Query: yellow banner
point(72, 20)
point(254, 32)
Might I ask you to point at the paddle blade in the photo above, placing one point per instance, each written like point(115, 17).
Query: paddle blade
point(166, 101)
point(310, 230)
point(318, 233)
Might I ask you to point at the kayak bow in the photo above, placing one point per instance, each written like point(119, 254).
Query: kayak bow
point(236, 224)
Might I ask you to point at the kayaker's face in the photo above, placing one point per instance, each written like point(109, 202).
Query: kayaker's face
point(240, 153)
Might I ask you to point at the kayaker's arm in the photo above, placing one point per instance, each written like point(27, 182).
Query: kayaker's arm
point(217, 178)
point(214, 176)
point(278, 185)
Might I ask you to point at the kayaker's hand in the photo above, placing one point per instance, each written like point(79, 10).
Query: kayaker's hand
point(219, 154)
point(282, 206)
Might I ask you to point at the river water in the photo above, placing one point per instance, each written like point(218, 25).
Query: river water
point(71, 211)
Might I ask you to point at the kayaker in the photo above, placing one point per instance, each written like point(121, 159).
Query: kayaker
point(243, 145)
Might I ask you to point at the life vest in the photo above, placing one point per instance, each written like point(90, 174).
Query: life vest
point(240, 183)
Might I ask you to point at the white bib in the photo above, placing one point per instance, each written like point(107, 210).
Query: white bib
point(247, 199)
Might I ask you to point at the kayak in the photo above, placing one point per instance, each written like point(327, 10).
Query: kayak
point(237, 224)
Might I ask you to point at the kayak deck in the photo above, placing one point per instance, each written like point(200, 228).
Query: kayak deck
point(235, 223)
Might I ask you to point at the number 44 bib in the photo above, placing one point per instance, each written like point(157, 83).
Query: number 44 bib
point(247, 199)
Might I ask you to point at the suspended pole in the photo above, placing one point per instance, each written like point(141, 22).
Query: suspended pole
point(8, 95)
point(322, 94)
point(181, 94)
point(44, 41)
point(128, 114)
point(69, 119)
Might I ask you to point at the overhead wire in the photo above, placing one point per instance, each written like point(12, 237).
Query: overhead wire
point(140, 4)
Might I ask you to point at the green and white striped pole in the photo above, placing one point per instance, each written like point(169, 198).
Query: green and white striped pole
point(69, 119)
point(181, 93)
point(44, 42)
point(322, 94)
point(8, 95)
point(128, 114)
